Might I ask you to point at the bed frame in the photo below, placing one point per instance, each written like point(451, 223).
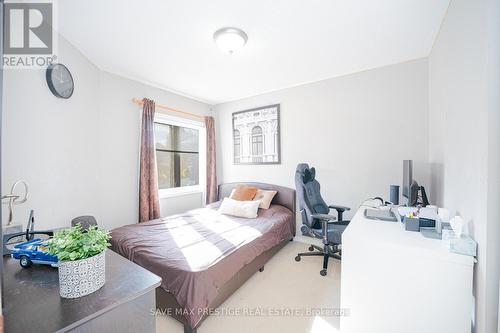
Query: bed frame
point(167, 302)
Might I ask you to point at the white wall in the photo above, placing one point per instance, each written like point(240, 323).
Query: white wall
point(493, 232)
point(79, 156)
point(356, 130)
point(51, 143)
point(463, 132)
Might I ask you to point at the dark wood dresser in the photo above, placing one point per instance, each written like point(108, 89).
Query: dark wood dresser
point(125, 303)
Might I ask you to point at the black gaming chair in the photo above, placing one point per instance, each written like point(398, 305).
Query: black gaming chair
point(316, 220)
point(85, 221)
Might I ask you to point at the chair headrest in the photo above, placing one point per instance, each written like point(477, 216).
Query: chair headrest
point(301, 167)
point(309, 175)
point(306, 174)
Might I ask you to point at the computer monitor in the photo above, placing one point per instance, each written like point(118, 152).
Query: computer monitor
point(407, 178)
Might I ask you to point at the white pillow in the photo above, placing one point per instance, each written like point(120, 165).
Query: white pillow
point(237, 208)
point(265, 198)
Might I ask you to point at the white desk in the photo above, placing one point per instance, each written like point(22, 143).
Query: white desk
point(399, 281)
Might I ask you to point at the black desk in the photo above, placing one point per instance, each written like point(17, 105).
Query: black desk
point(123, 304)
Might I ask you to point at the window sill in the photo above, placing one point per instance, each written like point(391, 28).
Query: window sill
point(179, 191)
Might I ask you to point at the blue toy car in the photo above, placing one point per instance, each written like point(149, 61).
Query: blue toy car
point(33, 251)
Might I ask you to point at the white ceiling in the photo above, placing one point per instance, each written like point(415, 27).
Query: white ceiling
point(290, 42)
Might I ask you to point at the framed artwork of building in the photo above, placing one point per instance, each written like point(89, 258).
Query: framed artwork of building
point(256, 136)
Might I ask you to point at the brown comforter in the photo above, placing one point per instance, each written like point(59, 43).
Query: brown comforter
point(195, 253)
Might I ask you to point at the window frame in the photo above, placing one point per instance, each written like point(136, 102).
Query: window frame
point(257, 143)
point(237, 142)
point(193, 124)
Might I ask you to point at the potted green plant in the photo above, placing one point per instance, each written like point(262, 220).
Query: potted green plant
point(81, 256)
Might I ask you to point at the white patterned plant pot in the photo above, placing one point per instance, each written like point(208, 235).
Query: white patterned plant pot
point(81, 277)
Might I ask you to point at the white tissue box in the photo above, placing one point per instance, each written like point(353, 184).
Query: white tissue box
point(463, 245)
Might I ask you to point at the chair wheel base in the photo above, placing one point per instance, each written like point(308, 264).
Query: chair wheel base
point(297, 258)
point(311, 248)
point(322, 272)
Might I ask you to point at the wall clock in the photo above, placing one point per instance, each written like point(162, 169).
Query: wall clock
point(60, 81)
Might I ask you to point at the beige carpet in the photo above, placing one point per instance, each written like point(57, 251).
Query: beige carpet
point(283, 287)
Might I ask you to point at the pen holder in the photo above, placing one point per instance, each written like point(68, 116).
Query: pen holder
point(411, 224)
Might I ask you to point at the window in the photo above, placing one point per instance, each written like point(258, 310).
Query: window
point(257, 144)
point(179, 156)
point(237, 146)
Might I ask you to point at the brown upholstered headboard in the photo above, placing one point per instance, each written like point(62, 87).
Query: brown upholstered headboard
point(284, 197)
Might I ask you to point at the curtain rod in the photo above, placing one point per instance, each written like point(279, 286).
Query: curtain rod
point(166, 108)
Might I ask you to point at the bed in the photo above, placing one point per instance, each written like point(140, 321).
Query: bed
point(203, 256)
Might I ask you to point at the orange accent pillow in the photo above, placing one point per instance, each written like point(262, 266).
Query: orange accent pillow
point(244, 193)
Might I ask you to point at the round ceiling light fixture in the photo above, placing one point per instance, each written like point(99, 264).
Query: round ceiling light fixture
point(230, 40)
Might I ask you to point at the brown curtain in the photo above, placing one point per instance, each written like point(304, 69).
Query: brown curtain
point(149, 205)
point(211, 170)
